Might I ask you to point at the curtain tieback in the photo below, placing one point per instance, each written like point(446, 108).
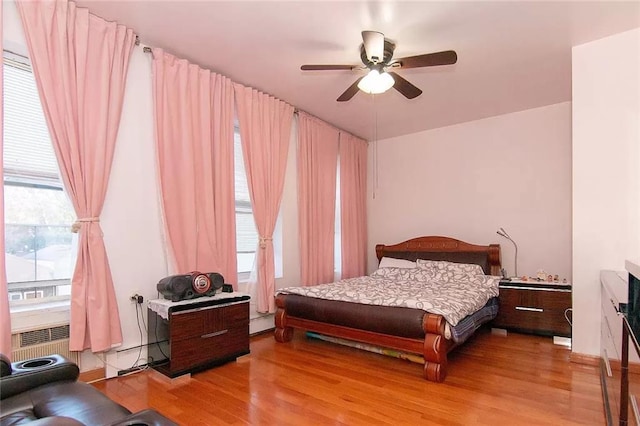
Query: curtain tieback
point(76, 225)
point(263, 242)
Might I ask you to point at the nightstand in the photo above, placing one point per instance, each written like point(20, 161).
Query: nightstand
point(535, 307)
point(192, 335)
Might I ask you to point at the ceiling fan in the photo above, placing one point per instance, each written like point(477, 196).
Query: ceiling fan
point(376, 54)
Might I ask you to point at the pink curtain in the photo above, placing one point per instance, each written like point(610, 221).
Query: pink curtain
point(5, 317)
point(353, 205)
point(317, 168)
point(80, 63)
point(194, 136)
point(265, 128)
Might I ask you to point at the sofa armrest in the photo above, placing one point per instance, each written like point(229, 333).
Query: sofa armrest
point(5, 365)
point(30, 374)
point(147, 417)
point(55, 421)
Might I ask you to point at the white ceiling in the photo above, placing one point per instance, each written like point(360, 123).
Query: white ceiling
point(512, 55)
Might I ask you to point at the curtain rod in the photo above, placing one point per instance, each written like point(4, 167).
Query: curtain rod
point(296, 111)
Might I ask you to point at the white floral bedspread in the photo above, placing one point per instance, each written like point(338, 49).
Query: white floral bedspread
point(452, 295)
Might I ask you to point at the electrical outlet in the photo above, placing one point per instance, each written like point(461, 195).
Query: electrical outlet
point(136, 298)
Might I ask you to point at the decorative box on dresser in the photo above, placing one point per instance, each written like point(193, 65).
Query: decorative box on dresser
point(535, 307)
point(620, 361)
point(193, 335)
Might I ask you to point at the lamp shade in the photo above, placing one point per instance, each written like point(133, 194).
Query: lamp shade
point(376, 82)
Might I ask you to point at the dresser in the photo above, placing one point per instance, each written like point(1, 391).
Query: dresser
point(613, 290)
point(535, 307)
point(190, 336)
point(620, 363)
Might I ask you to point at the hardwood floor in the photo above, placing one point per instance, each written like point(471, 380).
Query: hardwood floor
point(492, 380)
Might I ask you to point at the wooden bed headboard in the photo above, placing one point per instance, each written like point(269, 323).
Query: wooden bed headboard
point(444, 248)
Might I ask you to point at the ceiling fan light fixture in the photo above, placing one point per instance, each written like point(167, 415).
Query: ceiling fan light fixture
point(376, 82)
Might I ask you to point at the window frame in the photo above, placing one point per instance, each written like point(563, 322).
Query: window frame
point(39, 181)
point(241, 207)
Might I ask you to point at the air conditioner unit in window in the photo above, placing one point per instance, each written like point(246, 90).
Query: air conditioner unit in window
point(42, 342)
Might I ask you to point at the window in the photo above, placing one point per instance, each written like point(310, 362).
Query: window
point(246, 233)
point(337, 237)
point(39, 247)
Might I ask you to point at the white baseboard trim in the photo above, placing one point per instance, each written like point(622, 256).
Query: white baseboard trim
point(261, 322)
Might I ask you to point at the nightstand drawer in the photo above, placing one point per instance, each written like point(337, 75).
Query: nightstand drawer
point(534, 310)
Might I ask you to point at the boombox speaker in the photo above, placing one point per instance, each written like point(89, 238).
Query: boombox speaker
point(190, 286)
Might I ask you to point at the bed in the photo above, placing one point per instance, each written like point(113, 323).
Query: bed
point(410, 330)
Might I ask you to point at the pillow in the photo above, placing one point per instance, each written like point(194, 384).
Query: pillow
point(465, 268)
point(390, 262)
point(394, 274)
point(456, 268)
point(429, 264)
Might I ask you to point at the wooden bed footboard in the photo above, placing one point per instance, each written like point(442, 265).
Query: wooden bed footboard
point(434, 347)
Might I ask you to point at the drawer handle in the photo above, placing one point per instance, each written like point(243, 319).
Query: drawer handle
point(634, 406)
point(607, 364)
point(216, 333)
point(524, 308)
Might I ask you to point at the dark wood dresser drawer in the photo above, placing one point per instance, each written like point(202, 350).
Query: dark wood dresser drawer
point(221, 345)
point(186, 325)
point(535, 310)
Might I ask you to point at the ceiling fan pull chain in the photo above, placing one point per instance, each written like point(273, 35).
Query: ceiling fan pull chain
point(375, 146)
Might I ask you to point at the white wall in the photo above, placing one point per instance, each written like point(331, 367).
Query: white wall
point(131, 218)
point(466, 181)
point(606, 171)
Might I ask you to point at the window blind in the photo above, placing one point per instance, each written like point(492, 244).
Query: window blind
point(246, 233)
point(28, 153)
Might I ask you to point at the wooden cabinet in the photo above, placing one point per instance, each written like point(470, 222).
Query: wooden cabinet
point(539, 308)
point(198, 335)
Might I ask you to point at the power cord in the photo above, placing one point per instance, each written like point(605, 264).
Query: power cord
point(566, 317)
point(155, 330)
point(143, 321)
point(135, 367)
point(138, 313)
point(157, 342)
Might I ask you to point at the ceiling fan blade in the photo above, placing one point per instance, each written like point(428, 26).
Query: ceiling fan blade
point(447, 57)
point(326, 67)
point(350, 92)
point(403, 86)
point(373, 45)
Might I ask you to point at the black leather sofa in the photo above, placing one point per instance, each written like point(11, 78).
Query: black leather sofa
point(45, 391)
